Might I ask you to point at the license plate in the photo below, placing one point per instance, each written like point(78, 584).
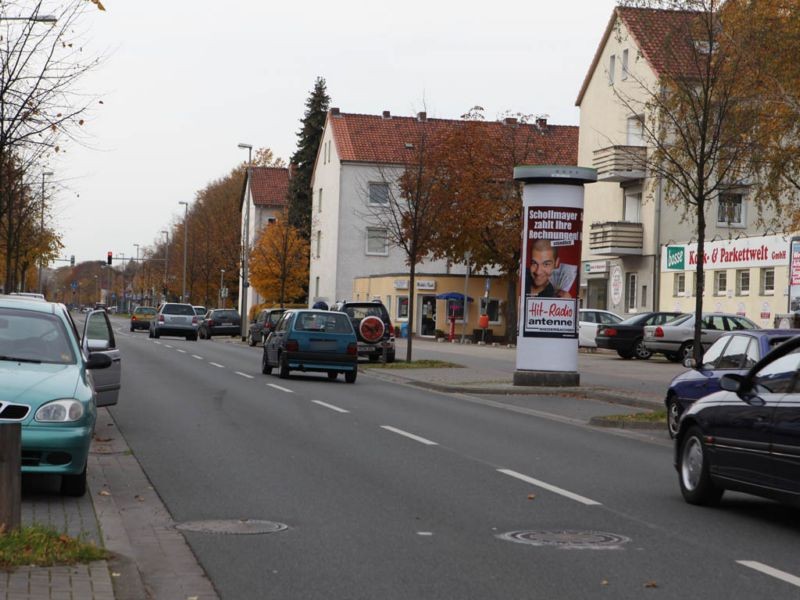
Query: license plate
point(227, 324)
point(362, 346)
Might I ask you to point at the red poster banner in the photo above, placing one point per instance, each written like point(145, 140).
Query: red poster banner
point(553, 251)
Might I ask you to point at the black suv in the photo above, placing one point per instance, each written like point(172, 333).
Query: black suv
point(371, 336)
point(259, 330)
point(220, 321)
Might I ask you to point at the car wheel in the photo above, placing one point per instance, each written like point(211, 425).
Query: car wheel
point(332, 375)
point(74, 485)
point(284, 366)
point(627, 355)
point(686, 351)
point(374, 357)
point(263, 339)
point(266, 368)
point(693, 471)
point(133, 328)
point(673, 356)
point(350, 376)
point(673, 415)
point(156, 334)
point(193, 337)
point(640, 351)
point(390, 356)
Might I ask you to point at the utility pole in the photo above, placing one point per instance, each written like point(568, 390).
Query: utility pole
point(41, 230)
point(185, 241)
point(166, 266)
point(246, 245)
point(467, 258)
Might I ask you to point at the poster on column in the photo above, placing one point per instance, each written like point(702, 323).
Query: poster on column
point(552, 258)
point(794, 275)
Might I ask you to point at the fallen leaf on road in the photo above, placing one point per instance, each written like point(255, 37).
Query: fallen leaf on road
point(115, 574)
point(531, 496)
point(651, 584)
point(604, 582)
point(105, 493)
point(97, 438)
point(139, 498)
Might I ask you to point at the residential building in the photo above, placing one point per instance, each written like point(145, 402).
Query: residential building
point(357, 167)
point(628, 226)
point(265, 196)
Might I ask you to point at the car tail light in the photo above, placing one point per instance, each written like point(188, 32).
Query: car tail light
point(211, 322)
point(160, 318)
point(609, 331)
point(352, 349)
point(292, 346)
point(194, 320)
point(133, 318)
point(391, 330)
point(659, 332)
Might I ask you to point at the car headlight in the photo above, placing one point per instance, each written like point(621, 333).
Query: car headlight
point(60, 411)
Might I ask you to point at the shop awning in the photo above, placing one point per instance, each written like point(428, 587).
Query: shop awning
point(453, 296)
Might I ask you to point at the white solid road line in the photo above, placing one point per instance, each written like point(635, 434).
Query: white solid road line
point(331, 406)
point(552, 488)
point(416, 438)
point(181, 351)
point(244, 374)
point(197, 357)
point(283, 389)
point(767, 570)
point(217, 365)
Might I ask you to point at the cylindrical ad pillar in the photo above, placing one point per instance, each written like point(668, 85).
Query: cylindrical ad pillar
point(547, 342)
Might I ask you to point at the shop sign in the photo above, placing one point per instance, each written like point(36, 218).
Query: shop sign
point(401, 284)
point(763, 251)
point(676, 258)
point(598, 266)
point(550, 317)
point(616, 285)
point(426, 284)
point(794, 275)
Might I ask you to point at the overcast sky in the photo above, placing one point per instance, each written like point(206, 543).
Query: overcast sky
point(184, 82)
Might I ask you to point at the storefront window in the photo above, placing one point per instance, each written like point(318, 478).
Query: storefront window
point(679, 284)
point(720, 283)
point(768, 281)
point(743, 282)
point(491, 307)
point(455, 308)
point(630, 292)
point(402, 307)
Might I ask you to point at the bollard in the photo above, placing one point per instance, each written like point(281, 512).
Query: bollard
point(10, 476)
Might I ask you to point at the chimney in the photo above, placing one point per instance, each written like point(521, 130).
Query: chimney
point(509, 121)
point(335, 111)
point(387, 114)
point(422, 117)
point(541, 122)
point(292, 167)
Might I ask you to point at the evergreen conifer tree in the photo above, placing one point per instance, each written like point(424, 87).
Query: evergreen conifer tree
point(309, 139)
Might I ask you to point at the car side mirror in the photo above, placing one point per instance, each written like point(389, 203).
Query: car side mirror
point(732, 382)
point(98, 360)
point(689, 363)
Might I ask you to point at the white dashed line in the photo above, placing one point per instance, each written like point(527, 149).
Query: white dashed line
point(167, 346)
point(411, 436)
point(331, 406)
point(217, 365)
point(283, 389)
point(159, 343)
point(551, 488)
point(244, 374)
point(425, 533)
point(181, 351)
point(197, 357)
point(772, 572)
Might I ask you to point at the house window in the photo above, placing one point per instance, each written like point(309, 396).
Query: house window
point(624, 65)
point(635, 133)
point(271, 221)
point(743, 282)
point(730, 209)
point(612, 62)
point(633, 207)
point(768, 281)
point(630, 292)
point(455, 309)
point(388, 304)
point(319, 243)
point(316, 287)
point(679, 284)
point(402, 308)
point(720, 283)
point(319, 201)
point(378, 193)
point(643, 303)
point(491, 307)
point(377, 241)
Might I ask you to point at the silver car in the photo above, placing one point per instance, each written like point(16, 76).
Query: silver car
point(176, 319)
point(675, 339)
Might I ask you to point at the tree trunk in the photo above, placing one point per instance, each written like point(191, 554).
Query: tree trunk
point(698, 304)
point(411, 287)
point(512, 301)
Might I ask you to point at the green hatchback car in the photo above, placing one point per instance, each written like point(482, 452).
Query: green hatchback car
point(53, 380)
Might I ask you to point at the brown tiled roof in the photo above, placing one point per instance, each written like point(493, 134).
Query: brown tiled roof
point(269, 185)
point(376, 139)
point(661, 36)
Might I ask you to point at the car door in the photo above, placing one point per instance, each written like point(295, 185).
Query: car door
point(587, 328)
point(697, 383)
point(786, 439)
point(712, 328)
point(98, 337)
point(275, 339)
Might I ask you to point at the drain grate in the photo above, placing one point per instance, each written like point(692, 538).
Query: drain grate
point(568, 539)
point(233, 526)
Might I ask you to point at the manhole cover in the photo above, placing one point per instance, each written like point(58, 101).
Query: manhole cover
point(568, 539)
point(233, 526)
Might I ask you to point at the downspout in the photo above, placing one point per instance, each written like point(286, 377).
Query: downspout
point(657, 257)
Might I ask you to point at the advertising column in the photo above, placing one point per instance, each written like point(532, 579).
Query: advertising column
point(547, 344)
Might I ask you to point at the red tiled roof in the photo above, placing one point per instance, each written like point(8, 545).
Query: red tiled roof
point(269, 185)
point(375, 139)
point(661, 36)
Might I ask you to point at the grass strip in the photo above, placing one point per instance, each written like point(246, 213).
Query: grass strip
point(40, 546)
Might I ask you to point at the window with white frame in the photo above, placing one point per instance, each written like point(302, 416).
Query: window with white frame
point(319, 201)
point(378, 193)
point(624, 74)
point(377, 241)
point(491, 308)
point(743, 282)
point(612, 64)
point(730, 209)
point(402, 308)
point(678, 284)
point(643, 298)
point(635, 131)
point(720, 283)
point(316, 287)
point(630, 292)
point(388, 304)
point(319, 243)
point(455, 309)
point(633, 207)
point(768, 281)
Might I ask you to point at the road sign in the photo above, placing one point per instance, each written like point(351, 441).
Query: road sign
point(224, 293)
point(74, 285)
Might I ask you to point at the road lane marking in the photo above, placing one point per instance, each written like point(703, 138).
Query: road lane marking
point(167, 346)
point(283, 389)
point(159, 343)
point(425, 533)
point(217, 365)
point(331, 406)
point(552, 488)
point(197, 357)
point(244, 374)
point(772, 572)
point(181, 351)
point(416, 438)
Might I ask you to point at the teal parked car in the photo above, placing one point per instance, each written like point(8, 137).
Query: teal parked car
point(53, 380)
point(312, 340)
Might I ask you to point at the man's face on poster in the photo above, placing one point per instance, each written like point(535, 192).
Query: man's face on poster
point(542, 264)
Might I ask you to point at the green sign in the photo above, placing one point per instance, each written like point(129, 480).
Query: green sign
point(676, 258)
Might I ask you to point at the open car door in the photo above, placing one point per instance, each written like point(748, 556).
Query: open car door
point(98, 337)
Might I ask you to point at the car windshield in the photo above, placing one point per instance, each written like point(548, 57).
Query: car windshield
point(145, 310)
point(226, 314)
point(34, 337)
point(178, 309)
point(200, 310)
point(327, 322)
point(274, 317)
point(681, 320)
point(634, 320)
point(360, 312)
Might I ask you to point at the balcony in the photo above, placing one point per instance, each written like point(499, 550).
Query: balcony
point(620, 163)
point(616, 238)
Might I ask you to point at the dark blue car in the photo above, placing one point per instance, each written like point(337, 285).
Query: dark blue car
point(734, 352)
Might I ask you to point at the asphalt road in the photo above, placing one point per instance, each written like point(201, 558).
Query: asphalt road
point(393, 492)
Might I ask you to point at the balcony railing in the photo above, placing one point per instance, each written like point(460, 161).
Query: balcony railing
point(616, 238)
point(620, 163)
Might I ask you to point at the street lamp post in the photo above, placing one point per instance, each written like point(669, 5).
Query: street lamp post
point(41, 229)
point(246, 246)
point(97, 298)
point(221, 297)
point(185, 241)
point(467, 258)
point(166, 265)
point(137, 273)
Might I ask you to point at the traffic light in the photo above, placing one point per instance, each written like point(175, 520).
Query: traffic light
point(72, 260)
point(108, 258)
